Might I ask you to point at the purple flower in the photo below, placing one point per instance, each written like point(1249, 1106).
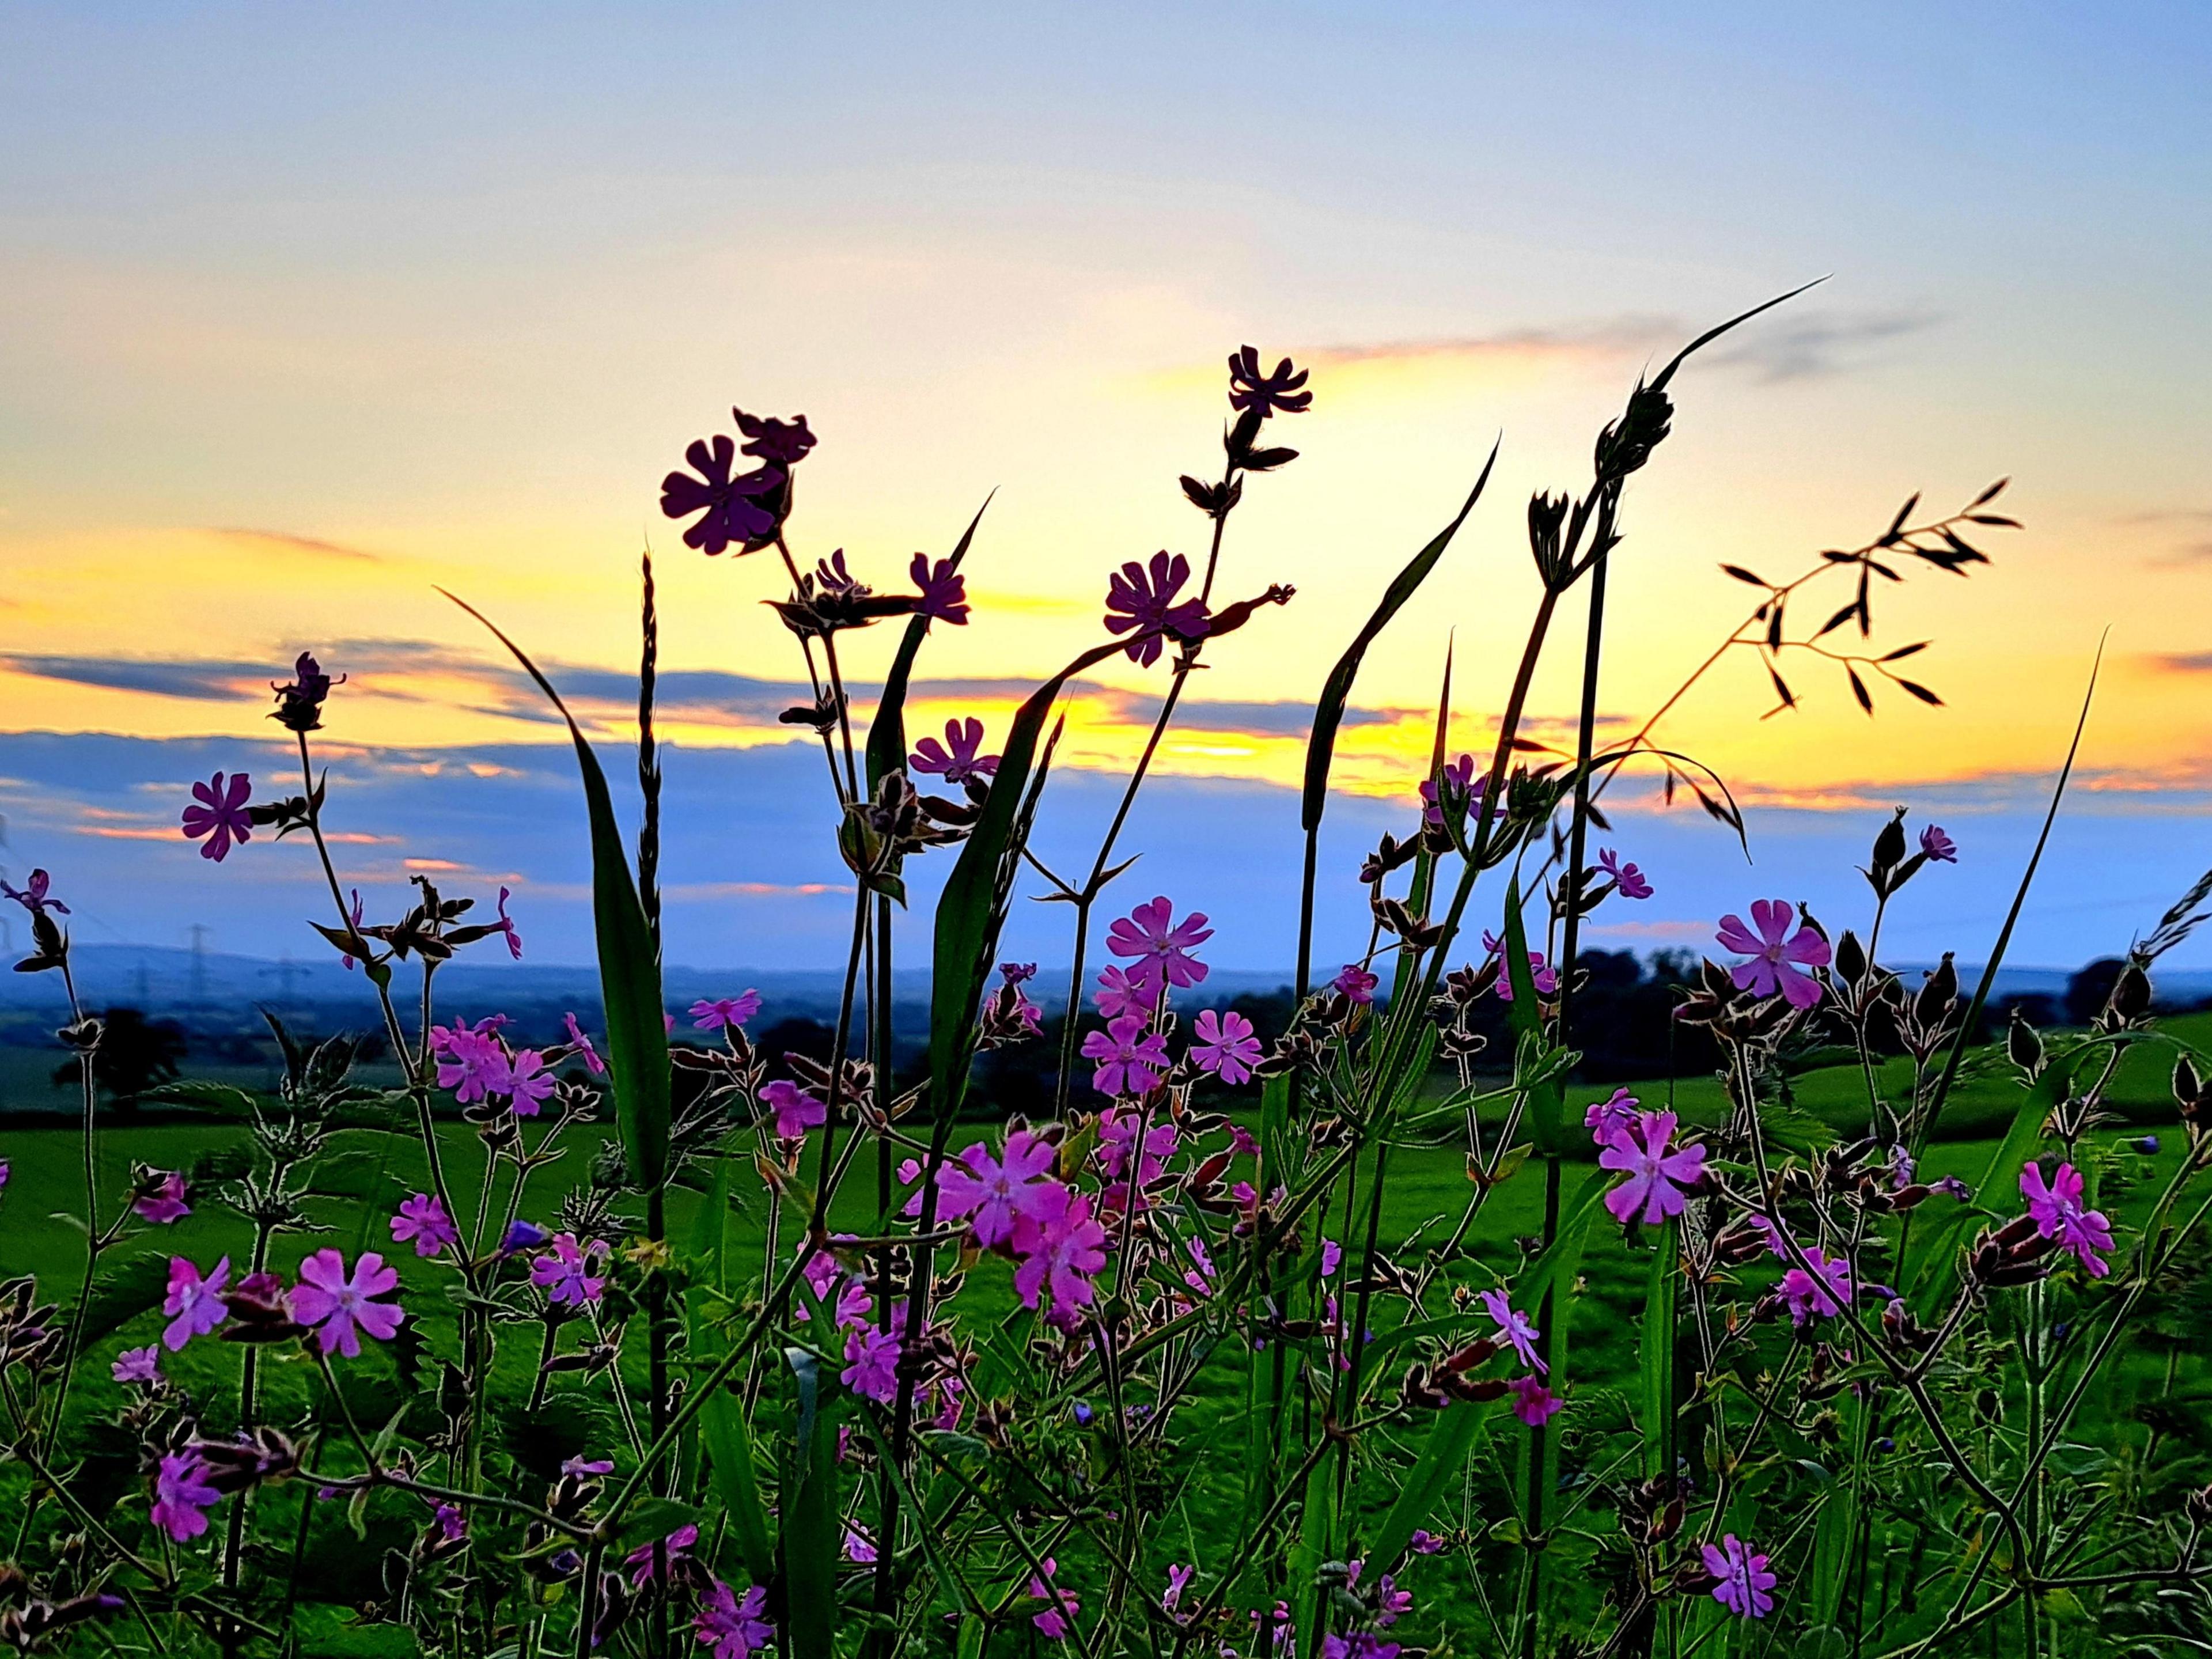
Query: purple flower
point(1162, 950)
point(339, 1306)
point(1627, 880)
point(1332, 1257)
point(582, 1045)
point(506, 925)
point(1059, 1252)
point(1772, 951)
point(164, 1202)
point(860, 1549)
point(219, 815)
point(730, 506)
point(779, 443)
point(194, 1304)
point(2057, 1209)
point(1118, 994)
point(1936, 847)
point(725, 1011)
point(671, 1549)
point(299, 705)
point(995, 1193)
point(796, 1110)
point(1658, 1174)
point(32, 895)
point(353, 920)
point(1545, 977)
point(1249, 389)
point(955, 760)
point(564, 1273)
point(943, 595)
point(1118, 1138)
point(1532, 1403)
point(1822, 1293)
point(729, 1628)
point(530, 1082)
point(471, 1061)
point(1131, 1059)
point(138, 1365)
point(1053, 1622)
point(871, 1357)
point(423, 1222)
point(1515, 1329)
point(1461, 788)
point(1018, 973)
point(1742, 1580)
point(521, 1236)
point(1424, 1542)
point(182, 1496)
point(1147, 602)
point(1178, 1581)
point(453, 1526)
point(1226, 1046)
point(1607, 1118)
point(1355, 983)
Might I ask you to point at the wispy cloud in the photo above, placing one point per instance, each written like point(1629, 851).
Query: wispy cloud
point(1813, 344)
point(201, 679)
point(297, 544)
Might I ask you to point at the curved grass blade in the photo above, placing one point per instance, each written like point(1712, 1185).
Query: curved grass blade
point(629, 969)
point(810, 1521)
point(1460, 1428)
point(887, 727)
point(1336, 691)
point(970, 908)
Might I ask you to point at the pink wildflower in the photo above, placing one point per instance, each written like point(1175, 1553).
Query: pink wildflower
point(672, 1549)
point(1515, 1329)
point(137, 1365)
point(194, 1304)
point(1823, 1293)
point(1118, 994)
point(565, 1273)
point(504, 926)
point(1779, 959)
point(582, 1045)
point(1178, 1581)
point(1936, 847)
point(471, 1061)
point(957, 760)
point(1226, 1045)
point(1355, 983)
point(944, 591)
point(1053, 1621)
point(994, 1193)
point(1117, 1136)
point(164, 1202)
point(871, 1371)
point(1131, 1059)
point(1532, 1403)
point(796, 1110)
point(1161, 945)
point(1627, 880)
point(1060, 1252)
point(530, 1081)
point(1658, 1174)
point(1741, 1578)
point(722, 1012)
point(2056, 1209)
point(1607, 1118)
point(1143, 599)
point(1460, 788)
point(423, 1222)
point(731, 1628)
point(182, 1496)
point(339, 1306)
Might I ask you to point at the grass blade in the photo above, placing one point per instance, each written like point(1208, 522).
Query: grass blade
point(887, 728)
point(630, 967)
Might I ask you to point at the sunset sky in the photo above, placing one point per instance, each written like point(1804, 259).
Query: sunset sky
point(311, 311)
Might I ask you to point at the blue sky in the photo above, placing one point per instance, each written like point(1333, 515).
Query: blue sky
point(312, 310)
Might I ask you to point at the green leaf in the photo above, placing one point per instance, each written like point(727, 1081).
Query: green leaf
point(722, 1417)
point(969, 910)
point(1547, 1104)
point(629, 971)
point(123, 1291)
point(810, 1523)
point(1459, 1428)
point(1336, 690)
point(887, 729)
point(1655, 1352)
point(1316, 1526)
point(650, 1518)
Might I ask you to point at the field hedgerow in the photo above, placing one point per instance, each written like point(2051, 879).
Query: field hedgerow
point(792, 1360)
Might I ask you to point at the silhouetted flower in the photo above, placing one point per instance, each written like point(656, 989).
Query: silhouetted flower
point(1461, 788)
point(730, 508)
point(1145, 601)
point(780, 443)
point(219, 815)
point(1269, 393)
point(956, 759)
point(1938, 847)
point(943, 591)
point(32, 896)
point(299, 705)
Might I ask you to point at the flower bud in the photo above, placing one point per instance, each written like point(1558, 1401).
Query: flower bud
point(1889, 844)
